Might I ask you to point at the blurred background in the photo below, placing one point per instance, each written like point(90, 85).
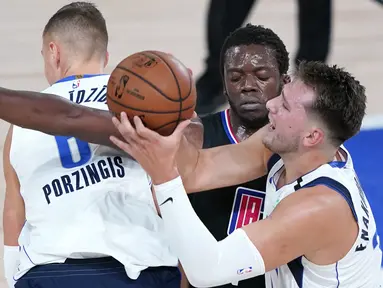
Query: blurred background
point(179, 27)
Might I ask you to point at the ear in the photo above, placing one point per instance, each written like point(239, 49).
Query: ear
point(286, 79)
point(106, 59)
point(314, 137)
point(54, 51)
point(223, 77)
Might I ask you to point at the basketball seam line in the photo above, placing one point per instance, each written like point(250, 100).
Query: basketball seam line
point(148, 111)
point(147, 82)
point(164, 125)
point(178, 86)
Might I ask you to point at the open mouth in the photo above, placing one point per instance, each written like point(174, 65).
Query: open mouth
point(271, 125)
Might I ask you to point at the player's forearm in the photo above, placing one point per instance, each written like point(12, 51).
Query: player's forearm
point(205, 261)
point(56, 116)
point(231, 164)
point(224, 166)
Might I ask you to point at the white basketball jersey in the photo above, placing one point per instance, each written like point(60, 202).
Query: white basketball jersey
point(361, 266)
point(84, 200)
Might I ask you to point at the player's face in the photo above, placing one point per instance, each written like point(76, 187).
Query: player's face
point(50, 55)
point(252, 78)
point(289, 123)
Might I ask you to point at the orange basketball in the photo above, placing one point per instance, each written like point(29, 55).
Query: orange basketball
point(154, 86)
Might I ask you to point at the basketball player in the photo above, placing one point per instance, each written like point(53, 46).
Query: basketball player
point(318, 229)
point(86, 212)
point(255, 63)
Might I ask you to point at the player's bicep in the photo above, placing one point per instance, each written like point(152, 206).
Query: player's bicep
point(14, 210)
point(303, 222)
point(229, 165)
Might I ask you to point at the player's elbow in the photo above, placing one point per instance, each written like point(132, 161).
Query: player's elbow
point(13, 218)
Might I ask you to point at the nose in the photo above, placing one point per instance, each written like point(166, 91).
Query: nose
point(250, 84)
point(270, 106)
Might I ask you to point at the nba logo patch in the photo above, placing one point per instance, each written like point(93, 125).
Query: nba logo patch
point(247, 208)
point(75, 85)
point(244, 270)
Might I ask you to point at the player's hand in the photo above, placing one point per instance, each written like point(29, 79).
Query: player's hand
point(194, 132)
point(155, 153)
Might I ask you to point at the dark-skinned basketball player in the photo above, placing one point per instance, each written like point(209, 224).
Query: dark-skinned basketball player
point(254, 63)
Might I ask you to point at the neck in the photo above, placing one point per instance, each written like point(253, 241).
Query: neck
point(298, 165)
point(94, 67)
point(241, 131)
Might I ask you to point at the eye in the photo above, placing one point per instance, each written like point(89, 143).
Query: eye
point(235, 77)
point(263, 78)
point(263, 75)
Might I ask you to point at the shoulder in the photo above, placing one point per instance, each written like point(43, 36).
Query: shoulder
point(320, 207)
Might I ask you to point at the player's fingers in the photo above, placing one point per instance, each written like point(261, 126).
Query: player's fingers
point(118, 125)
point(123, 131)
point(121, 144)
point(126, 129)
point(178, 132)
point(144, 132)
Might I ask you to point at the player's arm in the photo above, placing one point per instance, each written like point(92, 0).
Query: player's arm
point(206, 169)
point(54, 115)
point(13, 214)
point(301, 224)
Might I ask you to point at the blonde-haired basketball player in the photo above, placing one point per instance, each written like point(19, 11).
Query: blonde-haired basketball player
point(85, 212)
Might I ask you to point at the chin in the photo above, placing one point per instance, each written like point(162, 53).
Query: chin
point(267, 141)
point(254, 120)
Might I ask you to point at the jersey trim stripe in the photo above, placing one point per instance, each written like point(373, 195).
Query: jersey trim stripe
point(225, 117)
point(337, 274)
point(296, 268)
point(76, 77)
point(336, 186)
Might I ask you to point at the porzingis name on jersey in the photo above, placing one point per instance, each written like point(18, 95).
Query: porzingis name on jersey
point(80, 96)
point(91, 174)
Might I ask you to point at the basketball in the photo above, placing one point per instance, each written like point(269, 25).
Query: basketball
point(154, 86)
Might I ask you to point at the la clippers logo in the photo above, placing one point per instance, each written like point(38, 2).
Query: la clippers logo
point(247, 208)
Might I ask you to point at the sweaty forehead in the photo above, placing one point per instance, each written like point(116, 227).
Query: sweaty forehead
point(254, 54)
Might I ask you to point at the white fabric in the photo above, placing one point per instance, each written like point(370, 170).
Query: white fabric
point(360, 267)
point(11, 261)
point(84, 200)
point(205, 261)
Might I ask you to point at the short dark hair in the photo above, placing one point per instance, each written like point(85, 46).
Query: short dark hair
point(258, 35)
point(82, 22)
point(340, 99)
